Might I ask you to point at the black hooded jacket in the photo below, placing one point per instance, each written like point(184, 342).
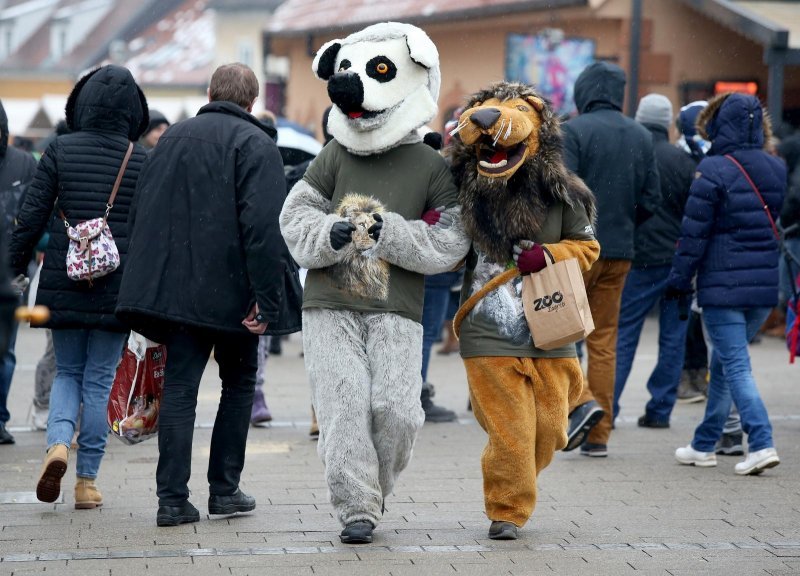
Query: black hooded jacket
point(16, 172)
point(613, 154)
point(657, 236)
point(206, 244)
point(105, 111)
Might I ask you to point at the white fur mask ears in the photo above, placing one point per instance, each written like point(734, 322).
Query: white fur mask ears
point(384, 81)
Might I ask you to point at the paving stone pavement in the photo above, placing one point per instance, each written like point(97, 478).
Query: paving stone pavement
point(636, 512)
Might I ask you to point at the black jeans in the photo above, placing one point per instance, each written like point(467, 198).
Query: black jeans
point(696, 357)
point(188, 350)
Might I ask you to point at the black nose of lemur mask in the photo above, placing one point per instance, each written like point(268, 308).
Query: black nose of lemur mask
point(346, 90)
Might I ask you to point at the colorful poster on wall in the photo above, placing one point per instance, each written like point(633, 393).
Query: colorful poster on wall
point(550, 63)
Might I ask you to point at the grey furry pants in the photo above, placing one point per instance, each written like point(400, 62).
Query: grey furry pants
point(365, 374)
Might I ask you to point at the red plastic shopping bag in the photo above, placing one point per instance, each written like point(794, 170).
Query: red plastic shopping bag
point(136, 393)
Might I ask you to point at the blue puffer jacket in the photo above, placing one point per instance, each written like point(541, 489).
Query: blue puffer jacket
point(726, 237)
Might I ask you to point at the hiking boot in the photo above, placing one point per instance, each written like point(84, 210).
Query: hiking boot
point(502, 530)
point(53, 469)
point(357, 533)
point(236, 502)
point(730, 445)
point(87, 496)
point(5, 435)
point(687, 393)
point(699, 380)
point(581, 422)
point(758, 461)
point(434, 413)
point(594, 450)
point(174, 515)
point(645, 422)
point(260, 412)
point(691, 457)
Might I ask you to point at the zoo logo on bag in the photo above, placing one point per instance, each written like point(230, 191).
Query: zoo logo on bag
point(551, 303)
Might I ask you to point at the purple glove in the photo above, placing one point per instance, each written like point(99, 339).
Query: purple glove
point(529, 257)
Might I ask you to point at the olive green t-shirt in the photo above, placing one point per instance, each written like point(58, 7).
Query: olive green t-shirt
point(497, 325)
point(406, 180)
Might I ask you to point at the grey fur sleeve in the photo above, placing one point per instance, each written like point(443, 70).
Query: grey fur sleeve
point(416, 246)
point(306, 227)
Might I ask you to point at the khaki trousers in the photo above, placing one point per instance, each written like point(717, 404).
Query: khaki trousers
point(604, 283)
point(523, 405)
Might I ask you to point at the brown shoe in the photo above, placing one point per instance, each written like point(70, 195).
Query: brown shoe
point(87, 495)
point(55, 465)
point(451, 345)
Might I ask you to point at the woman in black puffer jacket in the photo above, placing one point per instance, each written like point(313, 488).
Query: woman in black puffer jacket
point(105, 111)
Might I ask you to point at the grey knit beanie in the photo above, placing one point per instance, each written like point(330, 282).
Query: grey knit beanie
point(655, 109)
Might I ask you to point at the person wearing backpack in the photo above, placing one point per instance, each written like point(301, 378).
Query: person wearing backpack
point(106, 112)
point(729, 240)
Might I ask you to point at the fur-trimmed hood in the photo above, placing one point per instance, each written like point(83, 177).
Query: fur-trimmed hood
point(108, 99)
point(497, 212)
point(734, 121)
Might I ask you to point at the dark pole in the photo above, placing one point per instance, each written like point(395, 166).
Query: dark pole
point(633, 74)
point(776, 60)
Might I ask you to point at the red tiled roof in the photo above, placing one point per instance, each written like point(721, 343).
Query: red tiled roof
point(177, 49)
point(303, 16)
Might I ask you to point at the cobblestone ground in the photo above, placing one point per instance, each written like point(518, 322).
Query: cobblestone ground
point(635, 512)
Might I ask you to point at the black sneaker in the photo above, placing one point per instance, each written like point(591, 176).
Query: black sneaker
point(581, 422)
point(5, 435)
point(434, 413)
point(502, 531)
point(174, 515)
point(645, 422)
point(236, 502)
point(357, 533)
point(730, 445)
point(594, 450)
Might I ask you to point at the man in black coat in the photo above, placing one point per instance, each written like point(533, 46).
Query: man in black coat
point(16, 172)
point(613, 154)
point(655, 242)
point(204, 271)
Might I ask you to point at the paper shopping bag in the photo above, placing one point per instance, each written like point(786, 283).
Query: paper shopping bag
point(556, 306)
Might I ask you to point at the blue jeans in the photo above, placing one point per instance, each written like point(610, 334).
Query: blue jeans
point(434, 311)
point(8, 362)
point(86, 361)
point(644, 287)
point(730, 329)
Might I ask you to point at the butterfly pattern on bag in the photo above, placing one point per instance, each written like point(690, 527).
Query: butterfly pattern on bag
point(92, 252)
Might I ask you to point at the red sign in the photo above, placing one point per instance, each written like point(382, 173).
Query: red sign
point(743, 87)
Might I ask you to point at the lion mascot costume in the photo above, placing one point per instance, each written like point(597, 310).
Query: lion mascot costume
point(520, 206)
point(355, 221)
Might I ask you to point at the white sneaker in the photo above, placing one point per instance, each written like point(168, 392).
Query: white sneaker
point(39, 417)
point(691, 457)
point(758, 461)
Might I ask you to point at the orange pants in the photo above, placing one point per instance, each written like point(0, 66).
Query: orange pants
point(604, 283)
point(523, 405)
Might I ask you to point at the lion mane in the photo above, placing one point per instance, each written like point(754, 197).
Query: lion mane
point(498, 212)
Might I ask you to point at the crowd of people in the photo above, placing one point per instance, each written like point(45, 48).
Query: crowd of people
point(211, 222)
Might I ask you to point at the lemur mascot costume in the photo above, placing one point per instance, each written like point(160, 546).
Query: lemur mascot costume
point(355, 222)
point(520, 205)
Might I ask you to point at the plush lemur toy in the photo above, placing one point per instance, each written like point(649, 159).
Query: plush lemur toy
point(520, 205)
point(355, 221)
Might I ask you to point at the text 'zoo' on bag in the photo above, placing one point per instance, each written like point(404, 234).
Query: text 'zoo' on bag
point(556, 305)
